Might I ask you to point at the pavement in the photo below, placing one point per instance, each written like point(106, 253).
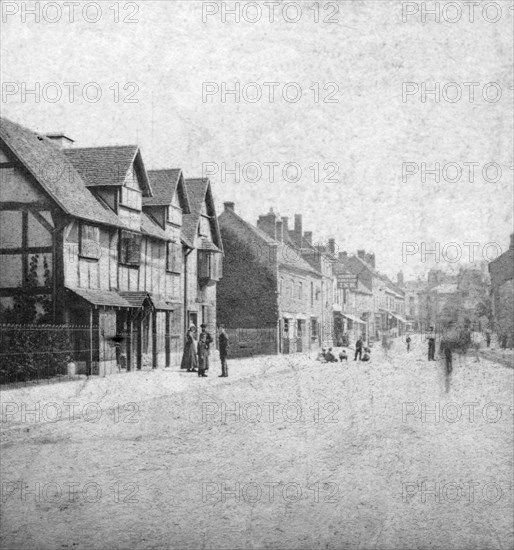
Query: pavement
point(286, 453)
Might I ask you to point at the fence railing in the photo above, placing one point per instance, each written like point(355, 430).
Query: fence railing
point(31, 353)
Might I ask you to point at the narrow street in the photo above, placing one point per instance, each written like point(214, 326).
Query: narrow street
point(285, 453)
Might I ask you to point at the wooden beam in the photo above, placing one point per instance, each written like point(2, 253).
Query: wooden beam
point(42, 220)
point(24, 206)
point(29, 250)
point(24, 244)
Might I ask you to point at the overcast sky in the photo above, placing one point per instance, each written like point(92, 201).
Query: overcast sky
point(366, 132)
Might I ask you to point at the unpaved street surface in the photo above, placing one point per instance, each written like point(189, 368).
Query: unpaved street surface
point(287, 453)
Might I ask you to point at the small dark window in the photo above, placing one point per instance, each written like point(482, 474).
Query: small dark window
point(130, 248)
point(174, 258)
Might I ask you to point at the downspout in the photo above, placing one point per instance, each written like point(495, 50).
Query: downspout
point(185, 291)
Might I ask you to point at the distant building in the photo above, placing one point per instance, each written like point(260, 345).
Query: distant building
point(502, 293)
point(270, 298)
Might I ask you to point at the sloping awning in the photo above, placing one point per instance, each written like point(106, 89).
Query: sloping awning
point(160, 302)
point(135, 299)
point(106, 298)
point(208, 245)
point(399, 317)
point(354, 319)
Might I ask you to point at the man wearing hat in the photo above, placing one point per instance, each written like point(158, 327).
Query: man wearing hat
point(204, 343)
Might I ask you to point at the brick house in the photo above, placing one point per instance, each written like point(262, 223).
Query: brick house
point(282, 293)
point(104, 242)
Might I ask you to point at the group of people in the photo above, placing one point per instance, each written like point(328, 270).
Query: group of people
point(197, 348)
point(362, 352)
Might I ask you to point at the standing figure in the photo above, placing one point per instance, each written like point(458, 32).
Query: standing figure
point(488, 338)
point(223, 347)
point(204, 343)
point(431, 345)
point(358, 349)
point(408, 340)
point(447, 350)
point(189, 357)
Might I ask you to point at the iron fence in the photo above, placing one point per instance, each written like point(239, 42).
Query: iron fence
point(35, 353)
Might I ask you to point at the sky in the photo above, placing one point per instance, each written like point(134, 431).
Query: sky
point(346, 145)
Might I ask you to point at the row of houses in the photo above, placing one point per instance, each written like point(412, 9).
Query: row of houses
point(90, 237)
point(95, 239)
point(302, 294)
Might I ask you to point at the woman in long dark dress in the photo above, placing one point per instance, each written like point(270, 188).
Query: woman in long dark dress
point(190, 358)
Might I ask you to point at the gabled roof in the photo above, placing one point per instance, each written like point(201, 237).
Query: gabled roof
point(287, 255)
point(52, 170)
point(165, 183)
point(198, 192)
point(108, 166)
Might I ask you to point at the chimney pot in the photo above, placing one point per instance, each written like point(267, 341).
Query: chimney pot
point(332, 246)
point(229, 206)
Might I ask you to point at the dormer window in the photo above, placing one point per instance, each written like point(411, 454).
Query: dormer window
point(174, 215)
point(131, 198)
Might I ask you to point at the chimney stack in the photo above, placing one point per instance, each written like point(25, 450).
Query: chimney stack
point(298, 230)
point(332, 246)
point(60, 140)
point(307, 237)
point(279, 231)
point(361, 254)
point(399, 278)
point(267, 223)
point(285, 228)
point(229, 206)
point(370, 258)
point(343, 256)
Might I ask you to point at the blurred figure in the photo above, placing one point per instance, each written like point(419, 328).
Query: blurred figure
point(223, 346)
point(487, 338)
point(358, 349)
point(431, 345)
point(343, 356)
point(330, 357)
point(408, 340)
point(204, 344)
point(322, 356)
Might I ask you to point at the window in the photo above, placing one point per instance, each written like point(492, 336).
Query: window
point(209, 265)
point(281, 287)
point(291, 289)
point(174, 258)
point(300, 290)
point(174, 215)
point(131, 198)
point(312, 294)
point(130, 248)
point(89, 241)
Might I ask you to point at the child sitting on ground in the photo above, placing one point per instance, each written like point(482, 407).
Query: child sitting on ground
point(322, 356)
point(343, 356)
point(330, 357)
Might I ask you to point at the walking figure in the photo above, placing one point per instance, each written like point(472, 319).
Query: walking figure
point(223, 347)
point(431, 345)
point(358, 349)
point(488, 338)
point(408, 340)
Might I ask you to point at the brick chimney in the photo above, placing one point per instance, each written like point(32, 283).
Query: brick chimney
point(361, 254)
point(285, 228)
point(331, 246)
point(60, 140)
point(343, 256)
point(279, 231)
point(267, 223)
point(399, 278)
point(229, 206)
point(298, 230)
point(307, 237)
